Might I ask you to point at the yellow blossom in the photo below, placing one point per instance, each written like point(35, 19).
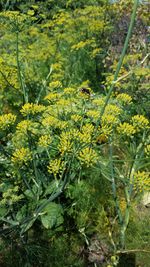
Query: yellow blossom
point(95, 52)
point(7, 120)
point(86, 133)
point(88, 156)
point(21, 156)
point(99, 102)
point(124, 98)
point(56, 166)
point(65, 144)
point(93, 114)
point(147, 150)
point(109, 119)
point(69, 91)
point(52, 96)
point(50, 121)
point(142, 180)
point(27, 125)
point(44, 141)
point(126, 129)
point(76, 117)
point(140, 122)
point(113, 109)
point(30, 108)
point(55, 84)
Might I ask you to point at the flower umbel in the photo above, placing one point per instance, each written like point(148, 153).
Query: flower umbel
point(88, 156)
point(7, 120)
point(21, 156)
point(56, 166)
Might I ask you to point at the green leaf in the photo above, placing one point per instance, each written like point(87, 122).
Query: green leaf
point(26, 226)
point(52, 187)
point(52, 215)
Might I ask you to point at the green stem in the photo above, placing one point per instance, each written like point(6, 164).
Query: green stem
point(122, 55)
point(25, 97)
point(114, 190)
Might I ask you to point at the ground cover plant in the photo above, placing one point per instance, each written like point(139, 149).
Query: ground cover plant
point(75, 133)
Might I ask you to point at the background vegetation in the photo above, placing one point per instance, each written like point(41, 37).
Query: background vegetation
point(74, 163)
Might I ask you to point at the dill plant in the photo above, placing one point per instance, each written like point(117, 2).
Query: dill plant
point(73, 160)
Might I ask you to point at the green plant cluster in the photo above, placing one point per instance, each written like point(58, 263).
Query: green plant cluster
point(74, 162)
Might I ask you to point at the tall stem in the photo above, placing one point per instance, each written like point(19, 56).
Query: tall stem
point(25, 97)
point(122, 55)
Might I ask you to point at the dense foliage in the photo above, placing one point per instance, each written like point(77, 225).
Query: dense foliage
point(74, 168)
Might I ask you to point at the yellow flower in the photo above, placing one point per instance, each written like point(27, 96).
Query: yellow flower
point(140, 122)
point(142, 180)
point(99, 102)
point(95, 52)
point(51, 96)
point(126, 129)
point(76, 117)
point(109, 119)
point(65, 144)
point(124, 98)
point(7, 120)
point(113, 110)
point(94, 114)
point(86, 133)
point(63, 103)
point(103, 133)
point(55, 84)
point(44, 141)
point(147, 150)
point(27, 125)
point(32, 109)
point(50, 121)
point(69, 91)
point(56, 166)
point(88, 156)
point(21, 156)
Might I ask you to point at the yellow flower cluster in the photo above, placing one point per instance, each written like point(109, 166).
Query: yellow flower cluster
point(50, 121)
point(66, 143)
point(55, 85)
point(27, 125)
point(21, 156)
point(95, 52)
point(52, 96)
point(30, 108)
point(99, 102)
point(11, 196)
point(63, 103)
point(76, 117)
point(81, 45)
point(94, 114)
point(124, 98)
point(126, 129)
point(88, 156)
point(109, 119)
point(142, 180)
point(56, 166)
point(103, 134)
point(113, 110)
point(7, 120)
point(86, 133)
point(44, 141)
point(147, 150)
point(69, 91)
point(140, 122)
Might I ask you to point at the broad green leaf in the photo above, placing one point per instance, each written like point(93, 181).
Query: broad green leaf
point(53, 215)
